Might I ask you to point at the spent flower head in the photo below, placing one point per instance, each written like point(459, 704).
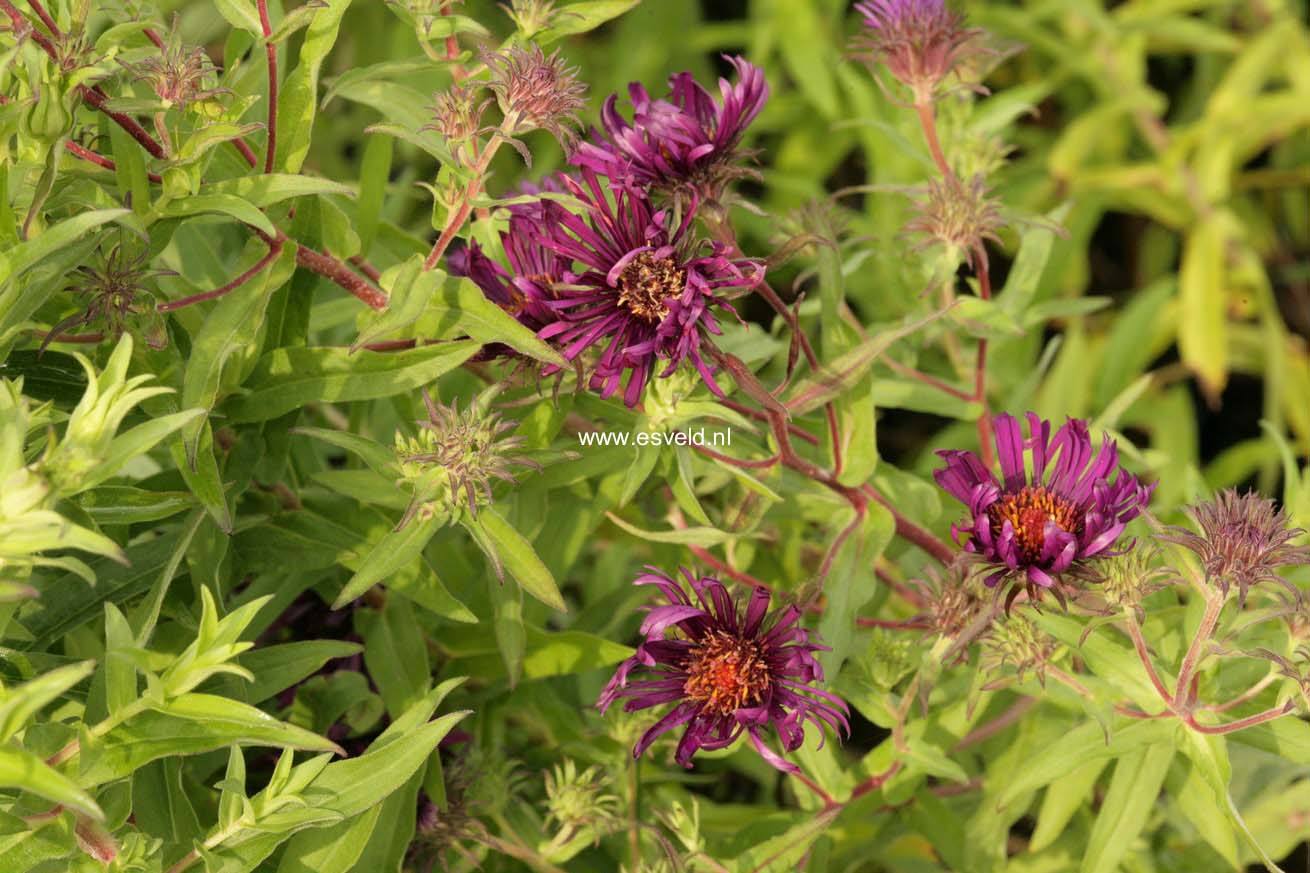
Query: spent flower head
point(116, 297)
point(179, 74)
point(728, 671)
point(453, 459)
point(1241, 540)
point(1033, 529)
point(920, 42)
point(536, 91)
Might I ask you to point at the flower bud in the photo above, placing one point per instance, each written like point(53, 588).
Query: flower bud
point(920, 42)
point(453, 459)
point(536, 91)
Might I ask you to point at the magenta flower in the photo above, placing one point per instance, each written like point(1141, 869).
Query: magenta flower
point(525, 289)
point(1033, 530)
point(643, 289)
point(728, 671)
point(919, 41)
point(686, 139)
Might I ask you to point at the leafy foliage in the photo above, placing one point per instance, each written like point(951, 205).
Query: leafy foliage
point(333, 434)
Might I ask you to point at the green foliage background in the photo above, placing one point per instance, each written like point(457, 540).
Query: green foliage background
point(171, 562)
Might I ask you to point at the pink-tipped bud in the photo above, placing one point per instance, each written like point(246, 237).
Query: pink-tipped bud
point(919, 41)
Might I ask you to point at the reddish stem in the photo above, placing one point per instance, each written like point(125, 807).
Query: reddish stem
point(1144, 655)
point(100, 160)
point(273, 251)
point(42, 14)
point(1241, 724)
point(270, 52)
point(329, 267)
point(891, 624)
point(77, 338)
point(929, 124)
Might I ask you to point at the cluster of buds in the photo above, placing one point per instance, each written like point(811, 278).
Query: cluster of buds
point(94, 422)
point(576, 800)
point(1129, 576)
point(457, 116)
point(1017, 643)
point(454, 458)
point(531, 16)
point(533, 90)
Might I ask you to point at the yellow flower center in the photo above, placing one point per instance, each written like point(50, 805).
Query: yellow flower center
point(725, 673)
point(1028, 510)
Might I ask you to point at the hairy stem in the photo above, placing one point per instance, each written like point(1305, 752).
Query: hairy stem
point(1182, 691)
point(270, 53)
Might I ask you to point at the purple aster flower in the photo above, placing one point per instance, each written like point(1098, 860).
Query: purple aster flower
point(919, 41)
point(526, 287)
point(686, 139)
point(642, 286)
point(1034, 529)
point(728, 671)
point(1243, 539)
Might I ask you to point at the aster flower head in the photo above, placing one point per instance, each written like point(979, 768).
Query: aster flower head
point(527, 287)
point(728, 671)
point(1016, 643)
point(643, 289)
point(1241, 540)
point(1033, 527)
point(685, 140)
point(919, 41)
point(536, 91)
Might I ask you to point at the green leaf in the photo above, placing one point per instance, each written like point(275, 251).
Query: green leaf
point(1203, 305)
point(582, 16)
point(332, 849)
point(24, 771)
point(520, 559)
point(20, 703)
point(460, 307)
point(223, 204)
point(240, 14)
point(189, 725)
point(230, 327)
point(395, 550)
point(692, 536)
point(263, 191)
point(1134, 788)
point(288, 378)
point(395, 654)
point(298, 98)
point(53, 239)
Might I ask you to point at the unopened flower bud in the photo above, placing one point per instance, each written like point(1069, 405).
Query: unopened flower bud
point(457, 116)
point(955, 214)
point(1017, 643)
point(1241, 540)
point(537, 91)
point(919, 41)
point(453, 460)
